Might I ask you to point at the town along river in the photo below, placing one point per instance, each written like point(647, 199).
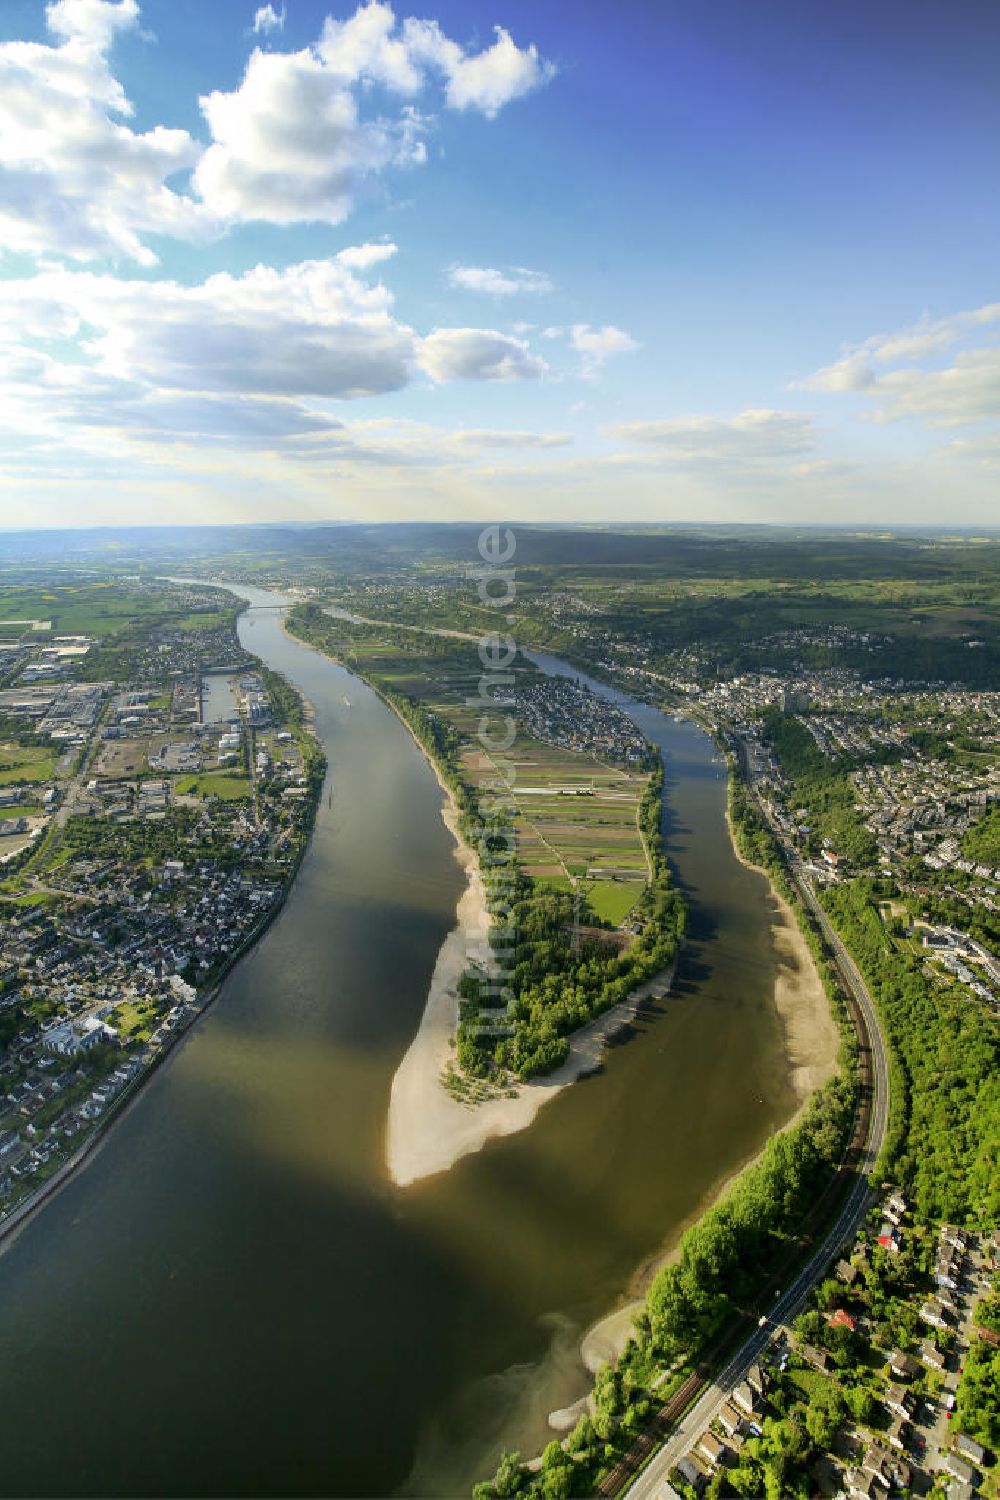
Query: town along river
point(232, 1300)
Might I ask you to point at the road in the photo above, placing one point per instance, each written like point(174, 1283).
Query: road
point(653, 1482)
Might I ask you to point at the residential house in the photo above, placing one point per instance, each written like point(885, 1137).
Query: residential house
point(711, 1448)
point(970, 1449)
point(862, 1486)
point(933, 1313)
point(747, 1399)
point(842, 1319)
point(903, 1366)
point(692, 1472)
point(931, 1355)
point(756, 1379)
point(896, 1433)
point(890, 1237)
point(899, 1400)
point(958, 1468)
point(729, 1419)
point(876, 1461)
point(846, 1272)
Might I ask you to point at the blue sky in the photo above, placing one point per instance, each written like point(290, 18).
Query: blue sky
point(656, 261)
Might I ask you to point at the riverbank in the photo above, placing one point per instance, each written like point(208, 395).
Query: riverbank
point(13, 1223)
point(811, 1033)
point(812, 1042)
point(428, 1128)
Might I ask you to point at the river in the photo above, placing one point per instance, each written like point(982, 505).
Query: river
point(232, 1300)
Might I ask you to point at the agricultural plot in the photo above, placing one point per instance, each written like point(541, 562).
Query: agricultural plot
point(575, 815)
point(99, 608)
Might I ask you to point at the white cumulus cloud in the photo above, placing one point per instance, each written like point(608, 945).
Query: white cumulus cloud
point(74, 178)
point(256, 357)
point(363, 257)
point(291, 143)
point(267, 19)
point(91, 23)
point(860, 368)
point(484, 81)
point(963, 393)
point(597, 345)
point(853, 372)
point(500, 283)
point(478, 354)
point(239, 355)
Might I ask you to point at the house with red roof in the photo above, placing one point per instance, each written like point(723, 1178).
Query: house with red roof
point(842, 1319)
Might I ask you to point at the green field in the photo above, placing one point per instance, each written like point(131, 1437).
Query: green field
point(214, 784)
point(612, 901)
point(25, 764)
point(82, 609)
point(204, 620)
point(12, 894)
point(136, 1022)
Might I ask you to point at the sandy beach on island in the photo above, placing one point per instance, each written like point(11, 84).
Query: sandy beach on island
point(812, 1041)
point(811, 1033)
point(428, 1130)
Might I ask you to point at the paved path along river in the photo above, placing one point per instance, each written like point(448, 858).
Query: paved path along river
point(232, 1299)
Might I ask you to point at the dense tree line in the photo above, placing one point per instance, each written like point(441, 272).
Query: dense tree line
point(945, 1139)
point(982, 841)
point(978, 1395)
point(721, 1263)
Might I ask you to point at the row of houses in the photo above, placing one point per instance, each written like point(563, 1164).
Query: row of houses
point(738, 1419)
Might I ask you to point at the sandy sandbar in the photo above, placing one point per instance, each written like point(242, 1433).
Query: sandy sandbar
point(428, 1130)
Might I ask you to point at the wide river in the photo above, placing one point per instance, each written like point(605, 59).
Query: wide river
point(231, 1299)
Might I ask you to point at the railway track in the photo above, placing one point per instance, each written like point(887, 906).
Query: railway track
point(701, 1394)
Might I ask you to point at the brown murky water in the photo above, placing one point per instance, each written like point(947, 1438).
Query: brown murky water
point(232, 1300)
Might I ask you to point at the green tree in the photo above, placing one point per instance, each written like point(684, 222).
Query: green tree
point(557, 1473)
